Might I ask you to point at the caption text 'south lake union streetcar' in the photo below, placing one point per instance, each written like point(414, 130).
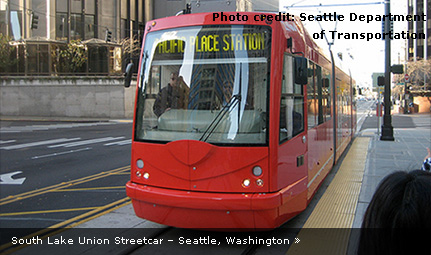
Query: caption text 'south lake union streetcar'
point(237, 123)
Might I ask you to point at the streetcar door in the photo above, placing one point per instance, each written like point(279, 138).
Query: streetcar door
point(292, 167)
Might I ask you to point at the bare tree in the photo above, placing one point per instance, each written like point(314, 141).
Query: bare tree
point(420, 74)
point(130, 46)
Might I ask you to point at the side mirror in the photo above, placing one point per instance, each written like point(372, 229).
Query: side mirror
point(301, 70)
point(128, 75)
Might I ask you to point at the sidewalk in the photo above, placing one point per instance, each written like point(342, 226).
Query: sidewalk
point(412, 135)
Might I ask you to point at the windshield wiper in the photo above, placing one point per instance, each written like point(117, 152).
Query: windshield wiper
point(233, 102)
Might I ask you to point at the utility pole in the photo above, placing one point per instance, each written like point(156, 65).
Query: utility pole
point(69, 25)
point(387, 129)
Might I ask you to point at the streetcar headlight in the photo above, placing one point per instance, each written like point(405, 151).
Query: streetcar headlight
point(146, 176)
point(257, 171)
point(139, 174)
point(259, 182)
point(140, 163)
point(246, 183)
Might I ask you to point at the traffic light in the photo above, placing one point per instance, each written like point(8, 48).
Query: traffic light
point(108, 35)
point(381, 81)
point(34, 21)
point(397, 69)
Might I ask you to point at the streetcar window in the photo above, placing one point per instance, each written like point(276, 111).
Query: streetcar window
point(207, 83)
point(311, 97)
point(292, 103)
point(318, 95)
point(326, 94)
point(324, 97)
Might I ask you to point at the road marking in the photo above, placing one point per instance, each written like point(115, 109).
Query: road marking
point(114, 206)
point(93, 212)
point(18, 129)
point(101, 210)
point(8, 180)
point(89, 189)
point(124, 142)
point(8, 141)
point(85, 142)
point(56, 187)
point(60, 153)
point(27, 145)
point(70, 223)
point(48, 211)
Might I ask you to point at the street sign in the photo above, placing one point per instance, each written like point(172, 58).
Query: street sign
point(407, 78)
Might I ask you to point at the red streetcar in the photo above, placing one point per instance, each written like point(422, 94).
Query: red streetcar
point(237, 121)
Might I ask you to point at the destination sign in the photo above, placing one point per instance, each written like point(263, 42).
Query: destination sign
point(214, 42)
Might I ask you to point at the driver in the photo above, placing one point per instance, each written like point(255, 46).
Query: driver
point(173, 96)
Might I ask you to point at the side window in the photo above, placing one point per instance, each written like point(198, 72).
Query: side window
point(320, 98)
point(292, 103)
point(312, 105)
point(326, 94)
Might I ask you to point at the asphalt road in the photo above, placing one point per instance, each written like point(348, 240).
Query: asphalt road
point(52, 173)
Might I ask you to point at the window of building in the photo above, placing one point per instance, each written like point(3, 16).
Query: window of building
point(89, 27)
point(76, 27)
point(61, 26)
point(38, 58)
point(82, 20)
point(98, 60)
point(3, 22)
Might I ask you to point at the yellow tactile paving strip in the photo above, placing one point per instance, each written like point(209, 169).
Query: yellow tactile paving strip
point(336, 209)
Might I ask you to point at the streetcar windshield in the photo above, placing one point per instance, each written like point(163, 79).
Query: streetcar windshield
point(207, 83)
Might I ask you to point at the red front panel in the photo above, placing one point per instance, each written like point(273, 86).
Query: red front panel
point(227, 211)
point(198, 166)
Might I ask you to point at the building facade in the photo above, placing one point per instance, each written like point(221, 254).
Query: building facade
point(90, 37)
point(40, 31)
point(419, 48)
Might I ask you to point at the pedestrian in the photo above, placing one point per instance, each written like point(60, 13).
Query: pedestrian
point(398, 217)
point(426, 165)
